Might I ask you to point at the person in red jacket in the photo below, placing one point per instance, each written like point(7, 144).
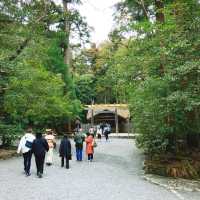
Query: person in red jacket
point(89, 146)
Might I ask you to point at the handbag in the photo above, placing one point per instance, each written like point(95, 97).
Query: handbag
point(94, 144)
point(70, 157)
point(28, 144)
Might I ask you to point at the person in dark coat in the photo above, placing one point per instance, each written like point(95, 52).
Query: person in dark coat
point(65, 151)
point(107, 131)
point(39, 148)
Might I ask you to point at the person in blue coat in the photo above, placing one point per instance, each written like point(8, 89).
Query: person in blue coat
point(65, 151)
point(39, 148)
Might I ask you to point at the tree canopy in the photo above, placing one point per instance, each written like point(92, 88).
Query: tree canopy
point(36, 85)
point(150, 61)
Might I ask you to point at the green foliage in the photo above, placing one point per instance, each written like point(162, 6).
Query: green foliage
point(161, 66)
point(9, 133)
point(95, 63)
point(36, 87)
point(152, 62)
point(54, 61)
point(44, 104)
point(85, 90)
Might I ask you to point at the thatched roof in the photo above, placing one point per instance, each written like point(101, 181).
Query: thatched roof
point(122, 110)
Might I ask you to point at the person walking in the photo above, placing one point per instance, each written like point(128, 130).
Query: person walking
point(40, 147)
point(107, 131)
point(91, 130)
point(99, 132)
point(65, 151)
point(102, 125)
point(25, 146)
point(89, 146)
point(79, 138)
point(52, 143)
point(77, 125)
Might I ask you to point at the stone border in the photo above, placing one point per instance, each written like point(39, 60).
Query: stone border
point(8, 154)
point(174, 183)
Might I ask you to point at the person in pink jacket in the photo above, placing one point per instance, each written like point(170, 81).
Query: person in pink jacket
point(89, 146)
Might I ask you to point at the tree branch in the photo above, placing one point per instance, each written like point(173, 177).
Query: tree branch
point(19, 50)
point(141, 3)
point(25, 42)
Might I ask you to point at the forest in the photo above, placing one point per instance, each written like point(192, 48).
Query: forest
point(151, 61)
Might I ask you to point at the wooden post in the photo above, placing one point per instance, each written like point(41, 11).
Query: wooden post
point(116, 122)
point(92, 118)
point(128, 127)
point(67, 29)
point(69, 127)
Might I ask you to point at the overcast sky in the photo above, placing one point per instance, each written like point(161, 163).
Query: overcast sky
point(99, 15)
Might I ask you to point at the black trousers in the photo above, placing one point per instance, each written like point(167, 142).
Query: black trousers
point(27, 161)
point(90, 156)
point(106, 136)
point(99, 136)
point(63, 160)
point(39, 160)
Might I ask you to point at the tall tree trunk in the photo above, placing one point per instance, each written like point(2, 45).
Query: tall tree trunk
point(160, 18)
point(67, 53)
point(142, 4)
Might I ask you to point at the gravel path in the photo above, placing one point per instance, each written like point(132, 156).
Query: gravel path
point(115, 174)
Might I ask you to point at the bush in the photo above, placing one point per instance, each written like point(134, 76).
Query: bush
point(9, 133)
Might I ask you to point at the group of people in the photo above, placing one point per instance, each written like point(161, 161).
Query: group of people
point(42, 146)
point(79, 138)
point(101, 129)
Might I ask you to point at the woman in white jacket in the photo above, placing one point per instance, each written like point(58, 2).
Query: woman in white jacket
point(25, 146)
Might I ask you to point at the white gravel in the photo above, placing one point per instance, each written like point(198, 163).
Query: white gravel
point(115, 174)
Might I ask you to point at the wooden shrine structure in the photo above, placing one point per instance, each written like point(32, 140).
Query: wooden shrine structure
point(117, 115)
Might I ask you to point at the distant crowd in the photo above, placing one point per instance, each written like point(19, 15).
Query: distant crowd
point(43, 145)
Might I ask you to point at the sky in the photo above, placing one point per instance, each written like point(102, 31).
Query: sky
point(98, 15)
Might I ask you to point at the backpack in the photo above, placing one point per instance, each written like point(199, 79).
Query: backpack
point(79, 139)
point(28, 144)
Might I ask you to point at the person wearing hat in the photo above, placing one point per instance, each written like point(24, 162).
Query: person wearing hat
point(39, 148)
point(51, 143)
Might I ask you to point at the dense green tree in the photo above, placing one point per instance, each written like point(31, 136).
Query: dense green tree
point(152, 63)
point(95, 62)
point(85, 88)
point(36, 86)
point(160, 64)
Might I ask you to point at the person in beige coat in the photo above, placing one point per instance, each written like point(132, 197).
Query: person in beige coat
point(51, 142)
